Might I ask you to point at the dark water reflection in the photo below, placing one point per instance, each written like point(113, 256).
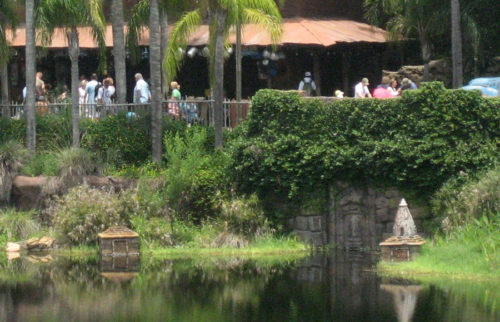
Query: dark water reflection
point(337, 287)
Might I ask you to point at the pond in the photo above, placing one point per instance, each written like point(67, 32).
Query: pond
point(339, 286)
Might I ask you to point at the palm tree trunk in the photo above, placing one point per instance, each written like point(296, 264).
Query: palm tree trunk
point(456, 44)
point(119, 50)
point(74, 52)
point(426, 57)
point(155, 72)
point(164, 44)
point(30, 76)
point(238, 71)
point(5, 91)
point(220, 17)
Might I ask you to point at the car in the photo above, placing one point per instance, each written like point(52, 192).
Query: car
point(487, 85)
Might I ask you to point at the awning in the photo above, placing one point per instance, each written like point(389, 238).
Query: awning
point(296, 31)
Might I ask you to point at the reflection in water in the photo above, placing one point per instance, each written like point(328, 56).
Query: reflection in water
point(405, 299)
point(337, 287)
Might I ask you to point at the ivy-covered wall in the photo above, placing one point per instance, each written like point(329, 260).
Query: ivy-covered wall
point(291, 146)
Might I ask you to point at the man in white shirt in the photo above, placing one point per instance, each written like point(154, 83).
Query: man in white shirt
point(361, 89)
point(141, 90)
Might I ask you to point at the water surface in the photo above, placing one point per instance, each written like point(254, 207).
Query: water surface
point(339, 286)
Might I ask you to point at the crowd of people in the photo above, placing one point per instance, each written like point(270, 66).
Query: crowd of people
point(388, 88)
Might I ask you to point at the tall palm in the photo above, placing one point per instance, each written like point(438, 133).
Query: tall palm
point(456, 44)
point(69, 15)
point(117, 23)
point(221, 15)
point(139, 18)
point(30, 76)
point(404, 18)
point(7, 19)
point(242, 17)
point(155, 73)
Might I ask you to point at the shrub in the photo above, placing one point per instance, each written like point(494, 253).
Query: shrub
point(464, 200)
point(18, 225)
point(119, 139)
point(72, 166)
point(41, 164)
point(290, 144)
point(194, 174)
point(245, 216)
point(12, 156)
point(82, 213)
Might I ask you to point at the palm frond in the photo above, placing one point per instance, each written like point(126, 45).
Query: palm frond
point(272, 24)
point(139, 18)
point(183, 29)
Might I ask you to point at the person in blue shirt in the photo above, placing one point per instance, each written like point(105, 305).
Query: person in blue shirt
point(90, 89)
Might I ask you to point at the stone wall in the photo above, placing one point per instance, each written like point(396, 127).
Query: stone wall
point(353, 217)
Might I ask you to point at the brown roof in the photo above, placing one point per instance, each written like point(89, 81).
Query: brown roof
point(118, 232)
point(296, 31)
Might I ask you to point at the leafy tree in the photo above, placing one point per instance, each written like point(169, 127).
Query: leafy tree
point(220, 15)
point(69, 15)
point(408, 18)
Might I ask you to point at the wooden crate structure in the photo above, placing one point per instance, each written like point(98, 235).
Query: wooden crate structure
point(118, 241)
point(397, 248)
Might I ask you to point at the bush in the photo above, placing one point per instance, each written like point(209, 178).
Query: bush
point(82, 213)
point(118, 139)
point(41, 164)
point(245, 216)
point(464, 200)
point(18, 225)
point(72, 166)
point(12, 156)
point(194, 174)
point(290, 144)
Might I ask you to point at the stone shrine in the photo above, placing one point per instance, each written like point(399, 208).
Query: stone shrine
point(405, 244)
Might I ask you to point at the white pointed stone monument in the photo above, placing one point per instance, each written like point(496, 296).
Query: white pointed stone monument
point(405, 244)
point(404, 225)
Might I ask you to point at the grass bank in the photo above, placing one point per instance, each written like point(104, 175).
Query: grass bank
point(470, 252)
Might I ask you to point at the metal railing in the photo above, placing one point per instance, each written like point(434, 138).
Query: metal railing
point(192, 111)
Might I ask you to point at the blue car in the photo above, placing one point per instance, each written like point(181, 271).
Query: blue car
point(487, 85)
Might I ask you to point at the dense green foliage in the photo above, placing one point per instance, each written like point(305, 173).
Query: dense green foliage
point(120, 139)
point(290, 144)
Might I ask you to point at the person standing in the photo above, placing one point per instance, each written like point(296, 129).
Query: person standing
point(361, 89)
point(141, 90)
point(173, 106)
point(307, 84)
point(40, 88)
point(90, 89)
point(406, 83)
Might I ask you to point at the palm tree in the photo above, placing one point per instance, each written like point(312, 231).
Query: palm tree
point(117, 22)
point(456, 44)
point(139, 18)
point(221, 15)
point(404, 18)
point(155, 73)
point(30, 76)
point(7, 18)
point(69, 15)
point(243, 16)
